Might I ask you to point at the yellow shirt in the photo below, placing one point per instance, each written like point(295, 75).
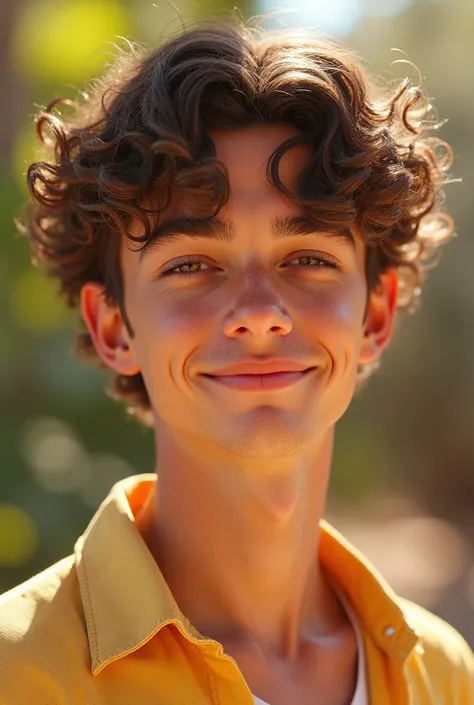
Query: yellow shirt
point(101, 627)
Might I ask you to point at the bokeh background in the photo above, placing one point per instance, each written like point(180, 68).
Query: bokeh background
point(403, 482)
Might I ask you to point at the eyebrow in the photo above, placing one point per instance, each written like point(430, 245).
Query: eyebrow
point(177, 229)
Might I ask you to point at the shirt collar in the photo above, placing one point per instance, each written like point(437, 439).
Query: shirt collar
point(126, 599)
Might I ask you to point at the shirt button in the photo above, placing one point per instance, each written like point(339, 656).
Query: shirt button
point(389, 631)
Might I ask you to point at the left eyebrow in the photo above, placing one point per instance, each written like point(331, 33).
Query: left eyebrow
point(302, 225)
point(177, 229)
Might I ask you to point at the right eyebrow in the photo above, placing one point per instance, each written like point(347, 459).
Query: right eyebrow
point(177, 229)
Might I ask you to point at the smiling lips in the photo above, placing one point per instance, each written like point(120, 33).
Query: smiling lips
point(258, 375)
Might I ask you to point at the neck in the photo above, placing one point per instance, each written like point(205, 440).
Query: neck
point(238, 545)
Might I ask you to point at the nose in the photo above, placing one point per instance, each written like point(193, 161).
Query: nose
point(258, 314)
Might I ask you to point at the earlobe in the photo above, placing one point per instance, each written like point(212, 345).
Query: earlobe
point(380, 319)
point(107, 330)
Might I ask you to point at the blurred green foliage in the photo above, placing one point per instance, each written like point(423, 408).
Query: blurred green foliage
point(66, 41)
point(64, 442)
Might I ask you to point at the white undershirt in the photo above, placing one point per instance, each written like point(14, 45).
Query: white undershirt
point(360, 694)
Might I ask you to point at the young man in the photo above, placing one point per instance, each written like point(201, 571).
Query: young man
point(239, 215)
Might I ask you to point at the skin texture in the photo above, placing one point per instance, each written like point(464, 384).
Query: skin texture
point(243, 474)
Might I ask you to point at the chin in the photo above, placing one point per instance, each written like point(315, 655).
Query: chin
point(268, 434)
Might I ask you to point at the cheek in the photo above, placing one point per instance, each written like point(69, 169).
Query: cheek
point(186, 314)
point(337, 319)
point(168, 329)
point(162, 316)
point(338, 307)
point(338, 325)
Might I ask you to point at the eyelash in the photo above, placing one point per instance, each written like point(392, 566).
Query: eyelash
point(323, 264)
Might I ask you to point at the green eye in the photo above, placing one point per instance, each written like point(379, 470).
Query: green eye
point(185, 268)
point(314, 262)
point(188, 267)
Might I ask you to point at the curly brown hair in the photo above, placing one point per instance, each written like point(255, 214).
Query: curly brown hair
point(145, 130)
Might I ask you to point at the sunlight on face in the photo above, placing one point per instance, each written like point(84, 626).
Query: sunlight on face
point(260, 286)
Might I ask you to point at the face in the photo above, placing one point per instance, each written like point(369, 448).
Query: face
point(263, 287)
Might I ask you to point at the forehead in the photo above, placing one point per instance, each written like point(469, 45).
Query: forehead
point(245, 154)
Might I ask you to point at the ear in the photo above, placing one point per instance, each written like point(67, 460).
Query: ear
point(380, 317)
point(107, 330)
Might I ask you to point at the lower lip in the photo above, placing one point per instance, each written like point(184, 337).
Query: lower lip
point(257, 383)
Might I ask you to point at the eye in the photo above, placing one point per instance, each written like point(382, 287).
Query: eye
point(186, 268)
point(314, 262)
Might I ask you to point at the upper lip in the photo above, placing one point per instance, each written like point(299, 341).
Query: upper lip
point(260, 367)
